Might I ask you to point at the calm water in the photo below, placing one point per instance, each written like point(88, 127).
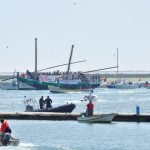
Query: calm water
point(71, 135)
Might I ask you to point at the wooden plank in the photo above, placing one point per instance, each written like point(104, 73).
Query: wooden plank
point(127, 117)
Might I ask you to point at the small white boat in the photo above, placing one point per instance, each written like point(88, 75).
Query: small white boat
point(122, 85)
point(103, 118)
point(14, 85)
point(89, 97)
point(54, 89)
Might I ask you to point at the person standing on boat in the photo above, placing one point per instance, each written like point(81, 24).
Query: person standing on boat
point(41, 102)
point(90, 97)
point(90, 108)
point(48, 102)
point(6, 131)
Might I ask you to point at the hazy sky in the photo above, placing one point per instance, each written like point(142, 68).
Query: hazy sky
point(95, 27)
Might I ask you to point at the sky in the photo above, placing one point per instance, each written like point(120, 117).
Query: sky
point(95, 27)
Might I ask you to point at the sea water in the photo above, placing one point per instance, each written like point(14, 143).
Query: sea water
point(72, 135)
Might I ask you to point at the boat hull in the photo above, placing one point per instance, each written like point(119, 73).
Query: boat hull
point(44, 85)
point(54, 89)
point(68, 108)
point(123, 86)
point(33, 83)
point(103, 118)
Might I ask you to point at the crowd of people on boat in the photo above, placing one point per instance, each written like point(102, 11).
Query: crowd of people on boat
point(63, 75)
point(47, 102)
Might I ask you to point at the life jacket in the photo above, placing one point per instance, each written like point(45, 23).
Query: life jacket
point(4, 126)
point(0, 135)
point(90, 106)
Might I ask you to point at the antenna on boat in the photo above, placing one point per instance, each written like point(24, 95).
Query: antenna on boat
point(70, 59)
point(35, 57)
point(117, 65)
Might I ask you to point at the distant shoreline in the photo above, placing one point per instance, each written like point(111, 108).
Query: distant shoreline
point(107, 75)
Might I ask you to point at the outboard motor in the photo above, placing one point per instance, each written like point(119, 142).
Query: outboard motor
point(6, 138)
point(29, 108)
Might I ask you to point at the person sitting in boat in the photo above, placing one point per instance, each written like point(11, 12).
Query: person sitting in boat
point(48, 102)
point(6, 132)
point(90, 108)
point(41, 102)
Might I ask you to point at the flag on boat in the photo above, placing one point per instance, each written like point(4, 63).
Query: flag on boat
point(46, 78)
point(43, 78)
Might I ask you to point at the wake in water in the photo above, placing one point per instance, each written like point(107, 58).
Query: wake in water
point(30, 146)
point(74, 101)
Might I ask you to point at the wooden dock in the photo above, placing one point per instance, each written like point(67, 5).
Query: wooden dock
point(69, 116)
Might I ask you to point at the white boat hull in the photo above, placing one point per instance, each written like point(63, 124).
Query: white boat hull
point(18, 86)
point(103, 118)
point(87, 98)
point(54, 89)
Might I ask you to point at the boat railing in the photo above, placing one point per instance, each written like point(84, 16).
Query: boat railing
point(30, 104)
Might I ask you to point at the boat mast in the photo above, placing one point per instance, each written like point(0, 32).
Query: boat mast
point(35, 57)
point(99, 69)
point(70, 59)
point(117, 65)
point(62, 65)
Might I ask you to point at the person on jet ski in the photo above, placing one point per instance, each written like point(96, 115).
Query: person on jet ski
point(6, 131)
point(48, 102)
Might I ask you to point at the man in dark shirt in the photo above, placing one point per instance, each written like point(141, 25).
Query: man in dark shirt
point(41, 102)
point(48, 102)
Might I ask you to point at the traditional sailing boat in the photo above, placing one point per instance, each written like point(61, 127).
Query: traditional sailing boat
point(67, 81)
point(78, 81)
